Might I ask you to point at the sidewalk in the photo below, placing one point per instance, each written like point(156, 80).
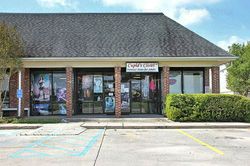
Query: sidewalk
point(127, 123)
point(159, 123)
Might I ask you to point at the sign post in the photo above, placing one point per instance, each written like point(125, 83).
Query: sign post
point(19, 94)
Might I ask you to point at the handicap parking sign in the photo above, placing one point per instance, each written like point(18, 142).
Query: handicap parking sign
point(19, 93)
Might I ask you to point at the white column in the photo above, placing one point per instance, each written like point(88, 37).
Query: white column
point(19, 88)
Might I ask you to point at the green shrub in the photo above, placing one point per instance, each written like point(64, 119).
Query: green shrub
point(207, 107)
point(30, 120)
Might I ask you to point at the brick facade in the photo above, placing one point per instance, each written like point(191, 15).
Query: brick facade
point(117, 92)
point(206, 74)
point(13, 85)
point(25, 86)
point(165, 81)
point(117, 73)
point(206, 79)
point(215, 79)
point(69, 87)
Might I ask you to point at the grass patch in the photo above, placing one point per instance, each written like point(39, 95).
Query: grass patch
point(30, 120)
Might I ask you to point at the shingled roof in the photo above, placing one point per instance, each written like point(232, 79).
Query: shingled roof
point(108, 35)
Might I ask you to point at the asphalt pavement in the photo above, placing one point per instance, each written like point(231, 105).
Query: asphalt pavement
point(66, 145)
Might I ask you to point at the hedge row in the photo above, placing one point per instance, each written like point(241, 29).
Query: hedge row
point(207, 107)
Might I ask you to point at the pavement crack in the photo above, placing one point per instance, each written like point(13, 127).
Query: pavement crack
point(99, 150)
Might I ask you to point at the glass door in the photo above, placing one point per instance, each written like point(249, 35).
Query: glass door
point(145, 94)
point(136, 93)
point(95, 92)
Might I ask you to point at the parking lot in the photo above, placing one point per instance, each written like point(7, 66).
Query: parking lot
point(126, 147)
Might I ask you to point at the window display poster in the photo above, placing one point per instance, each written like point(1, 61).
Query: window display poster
point(41, 87)
point(87, 81)
point(108, 87)
point(42, 109)
point(125, 101)
point(125, 88)
point(145, 87)
point(125, 96)
point(98, 84)
point(61, 94)
point(109, 104)
point(62, 109)
point(59, 86)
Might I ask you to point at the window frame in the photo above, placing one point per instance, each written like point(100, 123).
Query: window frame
point(182, 69)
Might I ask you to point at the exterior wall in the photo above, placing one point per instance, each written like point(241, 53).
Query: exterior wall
point(216, 79)
point(206, 80)
point(117, 92)
point(25, 86)
point(69, 87)
point(25, 102)
point(12, 91)
point(165, 83)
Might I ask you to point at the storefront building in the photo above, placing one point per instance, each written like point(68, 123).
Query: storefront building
point(123, 63)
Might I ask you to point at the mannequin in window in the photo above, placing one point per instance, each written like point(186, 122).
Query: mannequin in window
point(41, 88)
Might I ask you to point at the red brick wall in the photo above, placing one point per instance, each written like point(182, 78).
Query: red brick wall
point(206, 74)
point(26, 87)
point(117, 92)
point(215, 79)
point(12, 90)
point(69, 87)
point(206, 83)
point(165, 75)
point(25, 83)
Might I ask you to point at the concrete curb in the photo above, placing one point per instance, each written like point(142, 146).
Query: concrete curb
point(170, 127)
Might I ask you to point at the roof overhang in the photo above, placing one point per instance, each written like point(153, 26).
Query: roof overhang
point(120, 61)
point(228, 59)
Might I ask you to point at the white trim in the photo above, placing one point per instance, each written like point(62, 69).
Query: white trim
point(132, 59)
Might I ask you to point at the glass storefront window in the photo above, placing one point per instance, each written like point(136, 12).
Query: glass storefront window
point(186, 81)
point(125, 93)
point(41, 86)
point(175, 82)
point(59, 93)
point(59, 86)
point(193, 81)
point(48, 93)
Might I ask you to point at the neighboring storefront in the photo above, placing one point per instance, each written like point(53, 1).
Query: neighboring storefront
point(110, 63)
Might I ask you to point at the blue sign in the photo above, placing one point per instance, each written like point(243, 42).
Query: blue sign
point(19, 93)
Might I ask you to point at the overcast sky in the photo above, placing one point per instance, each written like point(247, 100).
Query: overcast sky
point(223, 22)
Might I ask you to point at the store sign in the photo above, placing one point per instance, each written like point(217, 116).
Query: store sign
point(142, 67)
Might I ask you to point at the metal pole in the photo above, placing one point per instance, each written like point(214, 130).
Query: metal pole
point(19, 88)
